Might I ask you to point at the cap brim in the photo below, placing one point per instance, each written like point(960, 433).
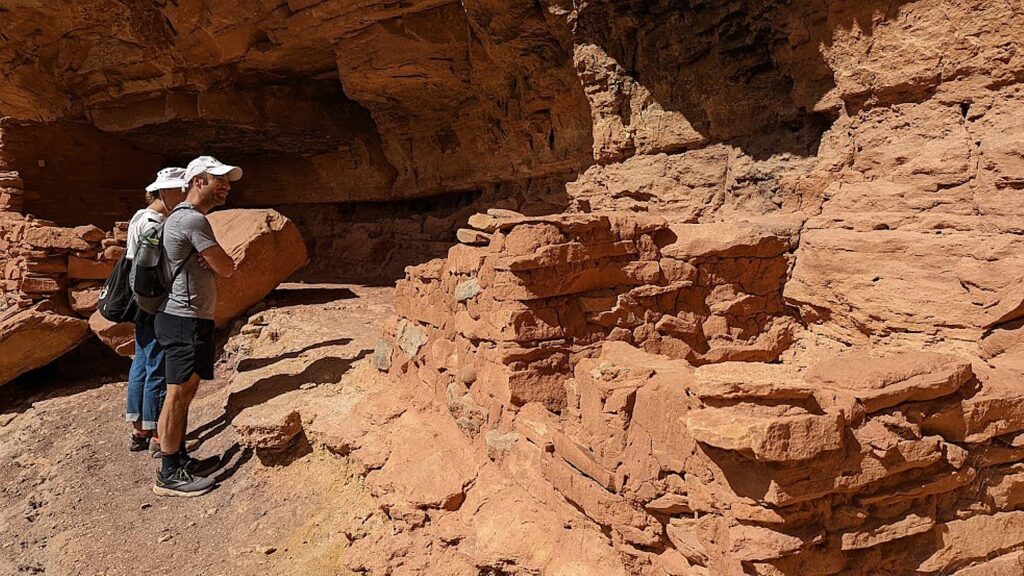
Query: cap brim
point(165, 185)
point(233, 172)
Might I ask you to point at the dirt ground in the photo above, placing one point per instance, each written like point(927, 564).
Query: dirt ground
point(74, 501)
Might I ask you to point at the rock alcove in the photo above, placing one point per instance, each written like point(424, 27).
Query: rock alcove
point(738, 280)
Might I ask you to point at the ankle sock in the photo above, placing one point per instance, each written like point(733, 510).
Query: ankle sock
point(169, 464)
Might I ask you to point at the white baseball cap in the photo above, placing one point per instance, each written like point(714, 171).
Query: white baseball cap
point(168, 178)
point(210, 165)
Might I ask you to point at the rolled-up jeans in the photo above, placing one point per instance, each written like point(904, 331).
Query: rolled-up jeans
point(147, 385)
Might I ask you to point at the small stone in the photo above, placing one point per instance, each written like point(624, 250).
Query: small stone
point(267, 426)
point(503, 213)
point(89, 233)
point(382, 355)
point(472, 237)
point(163, 538)
point(410, 337)
point(467, 375)
point(499, 443)
point(484, 222)
point(466, 290)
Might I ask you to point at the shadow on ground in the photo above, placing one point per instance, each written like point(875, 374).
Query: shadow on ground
point(321, 371)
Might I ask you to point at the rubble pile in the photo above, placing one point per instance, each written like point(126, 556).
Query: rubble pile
point(907, 464)
point(43, 261)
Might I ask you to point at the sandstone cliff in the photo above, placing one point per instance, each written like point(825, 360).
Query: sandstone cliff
point(742, 281)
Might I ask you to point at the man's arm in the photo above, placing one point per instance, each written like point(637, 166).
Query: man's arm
point(219, 261)
point(200, 234)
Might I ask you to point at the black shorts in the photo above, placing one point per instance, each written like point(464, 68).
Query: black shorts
point(188, 347)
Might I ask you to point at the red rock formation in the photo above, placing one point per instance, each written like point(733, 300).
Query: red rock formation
point(727, 468)
point(266, 248)
point(771, 323)
point(508, 320)
point(34, 336)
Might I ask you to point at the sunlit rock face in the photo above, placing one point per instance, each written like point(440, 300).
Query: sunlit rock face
point(740, 280)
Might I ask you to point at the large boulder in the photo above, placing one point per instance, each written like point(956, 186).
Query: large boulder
point(119, 337)
point(33, 337)
point(266, 247)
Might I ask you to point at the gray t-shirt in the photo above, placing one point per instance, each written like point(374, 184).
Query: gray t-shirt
point(194, 292)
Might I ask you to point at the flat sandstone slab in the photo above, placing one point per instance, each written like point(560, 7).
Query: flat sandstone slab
point(770, 438)
point(32, 338)
point(880, 383)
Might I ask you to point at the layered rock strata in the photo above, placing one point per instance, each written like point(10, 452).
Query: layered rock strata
point(51, 281)
point(521, 299)
point(708, 460)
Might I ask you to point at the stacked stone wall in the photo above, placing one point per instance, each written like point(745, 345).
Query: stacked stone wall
point(634, 367)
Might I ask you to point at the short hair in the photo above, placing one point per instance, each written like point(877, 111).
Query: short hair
point(188, 185)
point(150, 197)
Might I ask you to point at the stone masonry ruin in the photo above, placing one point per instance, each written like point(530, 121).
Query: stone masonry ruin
point(685, 288)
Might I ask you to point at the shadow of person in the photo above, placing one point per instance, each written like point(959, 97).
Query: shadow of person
point(247, 364)
point(228, 470)
point(327, 370)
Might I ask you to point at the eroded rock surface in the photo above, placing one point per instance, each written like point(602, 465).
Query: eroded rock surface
point(747, 298)
point(32, 337)
point(266, 247)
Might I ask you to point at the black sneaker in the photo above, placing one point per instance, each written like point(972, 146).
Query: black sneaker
point(200, 467)
point(182, 484)
point(154, 448)
point(137, 443)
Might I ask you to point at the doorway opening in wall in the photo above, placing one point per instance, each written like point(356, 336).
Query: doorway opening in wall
point(75, 174)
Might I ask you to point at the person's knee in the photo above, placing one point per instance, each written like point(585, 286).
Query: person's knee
point(189, 389)
point(178, 394)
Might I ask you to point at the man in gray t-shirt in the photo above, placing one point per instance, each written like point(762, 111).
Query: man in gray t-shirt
point(193, 294)
point(184, 324)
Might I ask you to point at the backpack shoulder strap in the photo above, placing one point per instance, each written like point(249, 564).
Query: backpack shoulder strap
point(163, 228)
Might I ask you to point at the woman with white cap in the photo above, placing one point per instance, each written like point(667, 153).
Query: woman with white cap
point(147, 385)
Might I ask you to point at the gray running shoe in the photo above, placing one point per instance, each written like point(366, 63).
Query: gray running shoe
point(199, 467)
point(182, 484)
point(154, 448)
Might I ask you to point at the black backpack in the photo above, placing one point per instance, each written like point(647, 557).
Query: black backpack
point(148, 276)
point(117, 301)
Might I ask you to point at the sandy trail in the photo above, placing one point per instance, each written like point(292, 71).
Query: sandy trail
point(74, 501)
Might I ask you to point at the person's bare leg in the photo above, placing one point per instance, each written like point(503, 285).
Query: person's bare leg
point(171, 426)
point(184, 423)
